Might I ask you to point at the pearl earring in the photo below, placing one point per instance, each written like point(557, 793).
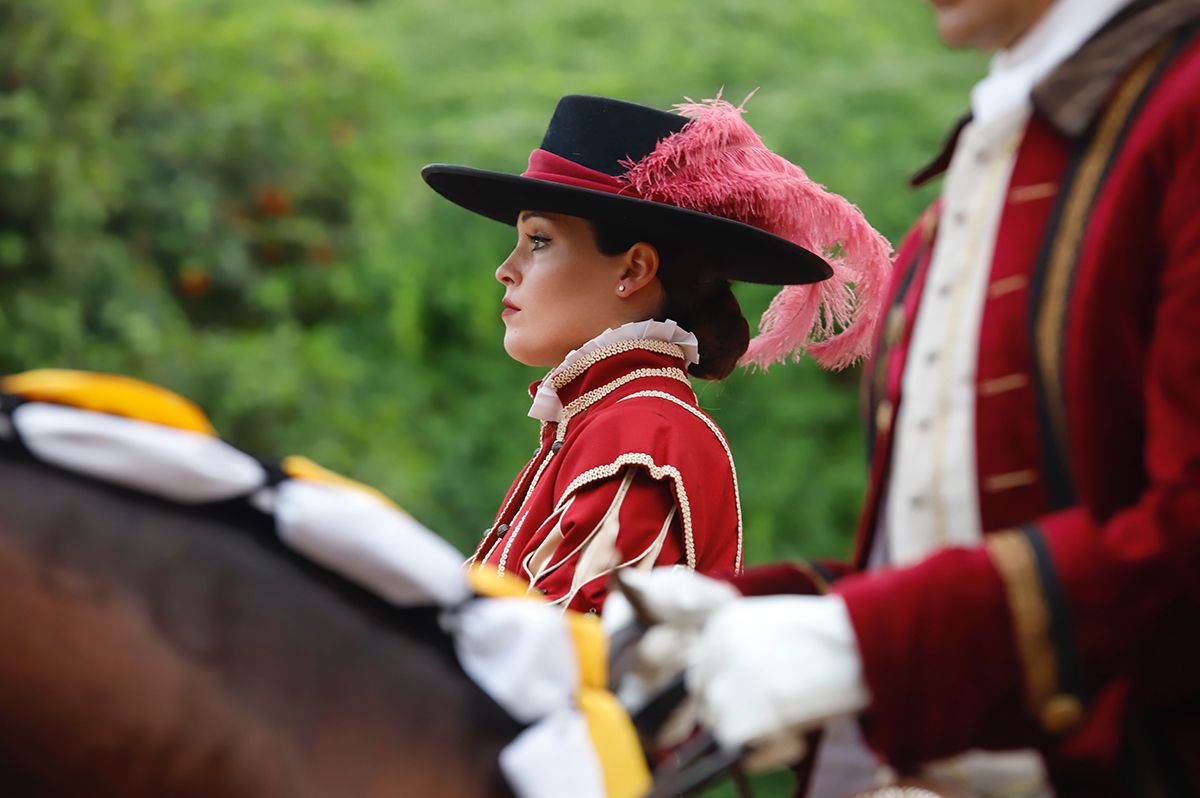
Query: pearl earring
point(621, 287)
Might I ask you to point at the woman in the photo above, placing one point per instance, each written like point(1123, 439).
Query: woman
point(631, 222)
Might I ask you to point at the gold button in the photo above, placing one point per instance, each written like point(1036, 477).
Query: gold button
point(883, 417)
point(895, 326)
point(1061, 713)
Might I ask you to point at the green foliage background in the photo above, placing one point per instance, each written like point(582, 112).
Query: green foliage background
point(223, 197)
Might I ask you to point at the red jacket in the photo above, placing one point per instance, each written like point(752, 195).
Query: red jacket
point(1073, 628)
point(635, 474)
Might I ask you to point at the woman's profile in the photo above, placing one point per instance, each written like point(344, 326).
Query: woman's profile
point(631, 223)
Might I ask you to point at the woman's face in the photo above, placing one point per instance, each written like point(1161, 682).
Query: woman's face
point(560, 291)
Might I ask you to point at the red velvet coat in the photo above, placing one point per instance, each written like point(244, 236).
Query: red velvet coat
point(1075, 628)
point(635, 460)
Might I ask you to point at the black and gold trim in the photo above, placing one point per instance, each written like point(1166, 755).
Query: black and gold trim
point(822, 579)
point(1041, 627)
point(1054, 274)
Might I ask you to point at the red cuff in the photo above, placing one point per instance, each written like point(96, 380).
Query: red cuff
point(938, 657)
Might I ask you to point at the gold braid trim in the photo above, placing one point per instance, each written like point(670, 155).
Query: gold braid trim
point(587, 361)
point(590, 398)
point(575, 408)
point(1064, 253)
point(819, 582)
point(1014, 558)
point(656, 472)
point(504, 509)
point(519, 518)
point(737, 496)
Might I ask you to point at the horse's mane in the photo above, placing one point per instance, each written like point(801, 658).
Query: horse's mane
point(285, 658)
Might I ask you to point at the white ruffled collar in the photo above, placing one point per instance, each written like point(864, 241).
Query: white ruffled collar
point(546, 404)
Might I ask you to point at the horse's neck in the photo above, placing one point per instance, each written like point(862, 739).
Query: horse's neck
point(153, 652)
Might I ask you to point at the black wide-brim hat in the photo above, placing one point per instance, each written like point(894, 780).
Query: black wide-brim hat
point(579, 170)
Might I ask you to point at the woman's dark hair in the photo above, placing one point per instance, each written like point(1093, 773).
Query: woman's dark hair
point(697, 296)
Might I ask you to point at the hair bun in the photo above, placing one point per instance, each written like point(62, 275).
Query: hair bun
point(697, 297)
point(718, 323)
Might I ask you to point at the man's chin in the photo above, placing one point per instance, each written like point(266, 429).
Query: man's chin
point(955, 30)
point(978, 26)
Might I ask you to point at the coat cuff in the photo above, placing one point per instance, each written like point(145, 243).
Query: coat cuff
point(938, 657)
point(1042, 630)
point(968, 648)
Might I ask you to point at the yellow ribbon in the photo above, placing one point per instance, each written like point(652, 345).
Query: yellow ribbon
point(298, 467)
point(118, 395)
point(614, 739)
point(616, 742)
point(109, 393)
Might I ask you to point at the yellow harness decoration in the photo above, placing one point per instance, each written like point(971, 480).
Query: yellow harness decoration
point(614, 739)
point(117, 395)
point(298, 467)
point(109, 393)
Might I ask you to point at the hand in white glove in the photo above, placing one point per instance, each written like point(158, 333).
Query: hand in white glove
point(678, 601)
point(767, 670)
point(762, 671)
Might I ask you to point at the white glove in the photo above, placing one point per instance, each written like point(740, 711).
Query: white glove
point(762, 672)
point(679, 601)
point(767, 670)
point(672, 594)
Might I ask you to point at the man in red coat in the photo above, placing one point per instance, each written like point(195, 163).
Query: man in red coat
point(1027, 570)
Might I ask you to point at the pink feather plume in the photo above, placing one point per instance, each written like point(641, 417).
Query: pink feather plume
point(717, 164)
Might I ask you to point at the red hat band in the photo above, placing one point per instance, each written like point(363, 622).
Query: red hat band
point(545, 165)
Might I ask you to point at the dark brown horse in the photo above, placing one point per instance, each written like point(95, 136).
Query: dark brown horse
point(149, 650)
